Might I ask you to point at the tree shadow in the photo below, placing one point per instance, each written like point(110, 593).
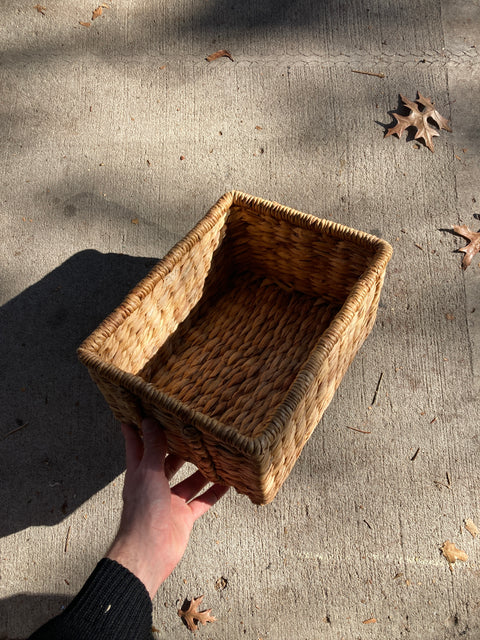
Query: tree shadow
point(58, 440)
point(167, 28)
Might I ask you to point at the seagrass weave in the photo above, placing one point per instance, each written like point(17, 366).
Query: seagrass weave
point(237, 340)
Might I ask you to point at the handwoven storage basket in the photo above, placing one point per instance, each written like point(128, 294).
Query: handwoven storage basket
point(237, 340)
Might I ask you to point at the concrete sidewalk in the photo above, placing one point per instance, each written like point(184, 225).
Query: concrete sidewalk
point(116, 138)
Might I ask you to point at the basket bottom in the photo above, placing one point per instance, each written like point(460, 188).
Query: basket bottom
point(237, 357)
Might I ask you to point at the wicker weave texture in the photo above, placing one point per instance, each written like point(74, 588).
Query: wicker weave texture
point(238, 338)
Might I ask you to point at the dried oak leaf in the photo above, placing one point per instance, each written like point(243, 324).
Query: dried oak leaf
point(419, 120)
point(452, 554)
point(223, 53)
point(192, 614)
point(473, 247)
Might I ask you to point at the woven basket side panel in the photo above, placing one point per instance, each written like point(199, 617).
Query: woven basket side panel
point(310, 409)
point(236, 469)
point(156, 370)
point(124, 405)
point(305, 418)
point(260, 478)
point(184, 440)
point(306, 260)
point(160, 312)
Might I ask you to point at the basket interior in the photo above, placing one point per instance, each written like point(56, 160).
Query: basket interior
point(236, 357)
point(228, 329)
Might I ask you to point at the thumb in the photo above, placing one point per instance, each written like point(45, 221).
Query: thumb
point(154, 442)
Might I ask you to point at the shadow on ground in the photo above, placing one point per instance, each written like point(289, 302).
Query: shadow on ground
point(37, 609)
point(33, 608)
point(58, 441)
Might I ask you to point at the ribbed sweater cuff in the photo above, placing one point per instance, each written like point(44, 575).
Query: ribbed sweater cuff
point(112, 599)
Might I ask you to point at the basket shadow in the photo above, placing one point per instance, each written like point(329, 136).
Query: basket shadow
point(58, 440)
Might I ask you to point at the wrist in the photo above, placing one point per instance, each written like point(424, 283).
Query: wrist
point(136, 558)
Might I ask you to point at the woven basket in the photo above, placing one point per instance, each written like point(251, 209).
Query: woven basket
point(237, 340)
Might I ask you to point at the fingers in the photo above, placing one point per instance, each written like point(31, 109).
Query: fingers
point(154, 442)
point(133, 446)
point(191, 486)
point(202, 504)
point(188, 488)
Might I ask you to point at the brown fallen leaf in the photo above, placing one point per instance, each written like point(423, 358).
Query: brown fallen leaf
point(419, 120)
point(40, 9)
point(97, 13)
point(192, 614)
point(471, 527)
point(84, 24)
point(473, 247)
point(452, 554)
point(370, 621)
point(223, 53)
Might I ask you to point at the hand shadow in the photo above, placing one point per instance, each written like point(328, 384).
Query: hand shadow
point(59, 443)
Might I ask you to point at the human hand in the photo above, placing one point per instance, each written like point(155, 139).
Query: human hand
point(156, 520)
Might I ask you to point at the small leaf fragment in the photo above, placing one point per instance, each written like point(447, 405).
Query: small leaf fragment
point(192, 614)
point(222, 53)
point(97, 13)
point(471, 527)
point(84, 24)
point(40, 9)
point(370, 621)
point(452, 554)
point(473, 247)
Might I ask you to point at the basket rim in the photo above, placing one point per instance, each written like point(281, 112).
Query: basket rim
point(252, 446)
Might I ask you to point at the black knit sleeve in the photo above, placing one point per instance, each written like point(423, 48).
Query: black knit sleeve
point(113, 605)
